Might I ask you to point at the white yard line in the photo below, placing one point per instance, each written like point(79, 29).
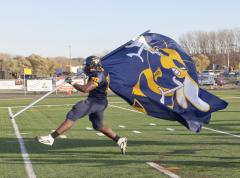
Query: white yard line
point(231, 97)
point(136, 132)
point(25, 155)
point(54, 105)
point(162, 170)
point(89, 128)
point(170, 129)
point(152, 124)
point(122, 126)
point(15, 98)
point(219, 131)
point(100, 134)
point(206, 128)
point(114, 106)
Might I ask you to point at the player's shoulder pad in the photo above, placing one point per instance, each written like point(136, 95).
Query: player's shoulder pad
point(98, 77)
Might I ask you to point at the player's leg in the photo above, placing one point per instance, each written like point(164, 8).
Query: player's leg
point(78, 111)
point(121, 141)
point(97, 122)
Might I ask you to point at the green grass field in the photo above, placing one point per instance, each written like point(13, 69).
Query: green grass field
point(85, 154)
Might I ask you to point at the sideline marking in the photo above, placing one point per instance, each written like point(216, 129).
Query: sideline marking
point(114, 106)
point(89, 128)
point(22, 133)
point(219, 131)
point(231, 97)
point(136, 132)
point(163, 170)
point(206, 128)
point(122, 126)
point(170, 129)
point(100, 134)
point(152, 124)
point(53, 105)
point(25, 155)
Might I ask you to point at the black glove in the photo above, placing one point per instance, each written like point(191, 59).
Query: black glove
point(68, 80)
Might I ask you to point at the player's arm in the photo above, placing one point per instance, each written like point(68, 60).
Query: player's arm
point(91, 85)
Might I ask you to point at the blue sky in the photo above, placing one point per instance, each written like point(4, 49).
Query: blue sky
point(47, 27)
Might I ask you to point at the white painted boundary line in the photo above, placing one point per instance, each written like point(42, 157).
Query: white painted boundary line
point(152, 124)
point(219, 131)
point(53, 105)
point(25, 155)
point(170, 129)
point(100, 134)
point(206, 128)
point(163, 170)
point(122, 126)
point(136, 132)
point(233, 97)
point(89, 128)
point(114, 106)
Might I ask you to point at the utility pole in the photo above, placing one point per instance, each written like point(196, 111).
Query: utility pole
point(228, 58)
point(70, 55)
point(230, 47)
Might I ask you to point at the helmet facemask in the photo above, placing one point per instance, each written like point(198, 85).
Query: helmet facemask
point(92, 64)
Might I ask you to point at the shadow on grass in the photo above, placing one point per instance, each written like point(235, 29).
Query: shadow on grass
point(10, 145)
point(100, 153)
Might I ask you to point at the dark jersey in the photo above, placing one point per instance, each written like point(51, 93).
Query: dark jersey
point(101, 81)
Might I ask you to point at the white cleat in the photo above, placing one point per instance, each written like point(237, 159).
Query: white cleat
point(122, 143)
point(47, 140)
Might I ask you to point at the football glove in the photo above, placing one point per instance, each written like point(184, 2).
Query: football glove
point(68, 80)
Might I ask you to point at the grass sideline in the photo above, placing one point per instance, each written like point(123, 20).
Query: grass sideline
point(85, 154)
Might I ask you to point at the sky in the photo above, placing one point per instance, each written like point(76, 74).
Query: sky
point(49, 27)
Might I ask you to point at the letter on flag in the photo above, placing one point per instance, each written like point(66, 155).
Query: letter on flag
point(157, 77)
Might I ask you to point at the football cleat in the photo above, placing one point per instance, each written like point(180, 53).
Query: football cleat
point(47, 140)
point(122, 143)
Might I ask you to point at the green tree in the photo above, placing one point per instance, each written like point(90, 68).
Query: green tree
point(201, 62)
point(51, 66)
point(39, 65)
point(22, 63)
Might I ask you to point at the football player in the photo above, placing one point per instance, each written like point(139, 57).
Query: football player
point(93, 106)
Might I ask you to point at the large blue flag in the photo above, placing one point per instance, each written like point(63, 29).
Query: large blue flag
point(157, 77)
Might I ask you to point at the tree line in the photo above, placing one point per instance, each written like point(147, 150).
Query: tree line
point(217, 46)
point(41, 66)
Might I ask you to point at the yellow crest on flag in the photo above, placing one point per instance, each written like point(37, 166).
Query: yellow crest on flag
point(27, 71)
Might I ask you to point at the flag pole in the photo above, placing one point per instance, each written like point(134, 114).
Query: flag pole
point(38, 100)
point(35, 102)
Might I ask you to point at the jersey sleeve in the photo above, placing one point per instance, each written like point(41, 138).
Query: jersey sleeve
point(98, 79)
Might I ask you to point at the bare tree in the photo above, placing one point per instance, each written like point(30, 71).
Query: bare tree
point(220, 47)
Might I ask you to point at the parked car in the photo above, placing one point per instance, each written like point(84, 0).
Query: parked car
point(220, 81)
point(238, 83)
point(206, 79)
